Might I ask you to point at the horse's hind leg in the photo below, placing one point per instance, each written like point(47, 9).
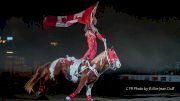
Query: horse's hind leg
point(42, 89)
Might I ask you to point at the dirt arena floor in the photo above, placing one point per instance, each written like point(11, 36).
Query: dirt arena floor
point(96, 98)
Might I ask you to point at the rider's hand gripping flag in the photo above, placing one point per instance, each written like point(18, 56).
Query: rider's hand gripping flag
point(83, 17)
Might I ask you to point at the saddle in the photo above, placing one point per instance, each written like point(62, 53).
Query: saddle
point(74, 70)
point(77, 66)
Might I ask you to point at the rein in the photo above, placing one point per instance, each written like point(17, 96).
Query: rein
point(93, 67)
point(105, 46)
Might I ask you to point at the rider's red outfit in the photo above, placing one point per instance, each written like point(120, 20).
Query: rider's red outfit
point(91, 34)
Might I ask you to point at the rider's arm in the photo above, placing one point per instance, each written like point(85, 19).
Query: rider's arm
point(100, 37)
point(95, 30)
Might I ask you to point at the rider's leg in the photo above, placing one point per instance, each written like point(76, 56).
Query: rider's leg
point(93, 51)
point(90, 54)
point(86, 55)
point(92, 45)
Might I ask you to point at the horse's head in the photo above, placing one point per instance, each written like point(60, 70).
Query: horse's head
point(113, 59)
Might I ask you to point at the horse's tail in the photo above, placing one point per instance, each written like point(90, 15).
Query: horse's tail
point(39, 73)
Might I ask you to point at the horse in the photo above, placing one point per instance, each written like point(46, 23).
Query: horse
point(107, 59)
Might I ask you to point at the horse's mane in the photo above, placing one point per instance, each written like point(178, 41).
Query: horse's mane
point(98, 57)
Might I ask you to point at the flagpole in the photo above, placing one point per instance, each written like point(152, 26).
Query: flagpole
point(95, 8)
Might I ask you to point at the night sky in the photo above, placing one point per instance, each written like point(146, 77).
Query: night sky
point(145, 36)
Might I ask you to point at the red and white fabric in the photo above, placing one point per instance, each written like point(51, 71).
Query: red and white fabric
point(83, 17)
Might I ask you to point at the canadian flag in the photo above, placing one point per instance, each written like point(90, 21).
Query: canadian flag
point(83, 17)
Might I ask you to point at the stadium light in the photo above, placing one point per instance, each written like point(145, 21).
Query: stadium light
point(9, 52)
point(9, 38)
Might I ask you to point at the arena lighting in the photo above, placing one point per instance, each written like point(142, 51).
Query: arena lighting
point(54, 43)
point(9, 52)
point(9, 38)
point(2, 41)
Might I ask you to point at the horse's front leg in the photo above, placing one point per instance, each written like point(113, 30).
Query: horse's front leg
point(78, 89)
point(88, 92)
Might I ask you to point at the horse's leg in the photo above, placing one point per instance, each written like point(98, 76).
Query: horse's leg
point(88, 91)
point(78, 89)
point(42, 88)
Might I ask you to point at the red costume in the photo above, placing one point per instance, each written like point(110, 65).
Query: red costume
point(91, 34)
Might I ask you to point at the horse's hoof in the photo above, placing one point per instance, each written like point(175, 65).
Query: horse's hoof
point(37, 94)
point(68, 98)
point(91, 100)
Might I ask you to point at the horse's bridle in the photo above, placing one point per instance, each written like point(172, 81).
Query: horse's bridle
point(108, 59)
point(108, 67)
point(107, 56)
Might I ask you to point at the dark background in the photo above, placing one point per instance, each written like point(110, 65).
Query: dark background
point(35, 10)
